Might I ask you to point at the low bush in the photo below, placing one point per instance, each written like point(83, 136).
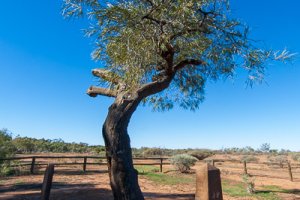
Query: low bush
point(249, 158)
point(183, 162)
point(200, 154)
point(281, 160)
point(7, 149)
point(153, 152)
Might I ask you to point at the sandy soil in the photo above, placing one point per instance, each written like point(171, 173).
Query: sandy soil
point(71, 183)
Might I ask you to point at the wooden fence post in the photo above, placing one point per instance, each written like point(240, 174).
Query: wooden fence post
point(290, 170)
point(47, 183)
point(213, 162)
point(84, 163)
point(32, 165)
point(161, 164)
point(245, 167)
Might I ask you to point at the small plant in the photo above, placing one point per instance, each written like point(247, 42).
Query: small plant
point(250, 186)
point(183, 162)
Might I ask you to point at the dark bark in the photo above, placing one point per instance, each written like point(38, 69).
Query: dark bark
point(123, 176)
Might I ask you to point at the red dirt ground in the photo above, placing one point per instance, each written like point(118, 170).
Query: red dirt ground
point(72, 184)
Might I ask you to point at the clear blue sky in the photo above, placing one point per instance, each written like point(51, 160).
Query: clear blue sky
point(45, 69)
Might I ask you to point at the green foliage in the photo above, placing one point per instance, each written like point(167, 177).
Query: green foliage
point(234, 189)
point(238, 190)
point(33, 145)
point(183, 162)
point(144, 169)
point(148, 152)
point(10, 146)
point(6, 170)
point(249, 182)
point(275, 188)
point(24, 144)
point(7, 150)
point(200, 154)
point(234, 150)
point(191, 41)
point(265, 147)
point(163, 152)
point(150, 172)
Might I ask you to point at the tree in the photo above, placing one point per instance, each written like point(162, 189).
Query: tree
point(24, 144)
point(265, 147)
point(160, 52)
point(7, 149)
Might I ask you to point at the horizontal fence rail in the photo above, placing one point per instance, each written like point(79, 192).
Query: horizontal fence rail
point(235, 166)
point(32, 161)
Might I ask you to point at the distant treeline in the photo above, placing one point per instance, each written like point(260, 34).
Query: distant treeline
point(10, 146)
point(33, 145)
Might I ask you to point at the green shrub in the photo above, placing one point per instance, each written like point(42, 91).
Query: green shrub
point(183, 162)
point(6, 170)
point(7, 149)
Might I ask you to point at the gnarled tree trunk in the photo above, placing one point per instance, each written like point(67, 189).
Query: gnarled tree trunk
point(123, 176)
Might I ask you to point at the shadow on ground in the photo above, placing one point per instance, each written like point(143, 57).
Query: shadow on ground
point(293, 191)
point(78, 172)
point(62, 191)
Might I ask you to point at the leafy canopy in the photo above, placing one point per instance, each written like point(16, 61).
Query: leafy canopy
point(192, 41)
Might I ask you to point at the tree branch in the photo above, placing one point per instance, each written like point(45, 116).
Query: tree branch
point(183, 63)
point(107, 75)
point(95, 91)
point(200, 29)
point(150, 2)
point(147, 16)
point(154, 87)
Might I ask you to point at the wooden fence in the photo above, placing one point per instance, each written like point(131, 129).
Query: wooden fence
point(245, 167)
point(286, 167)
point(33, 161)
